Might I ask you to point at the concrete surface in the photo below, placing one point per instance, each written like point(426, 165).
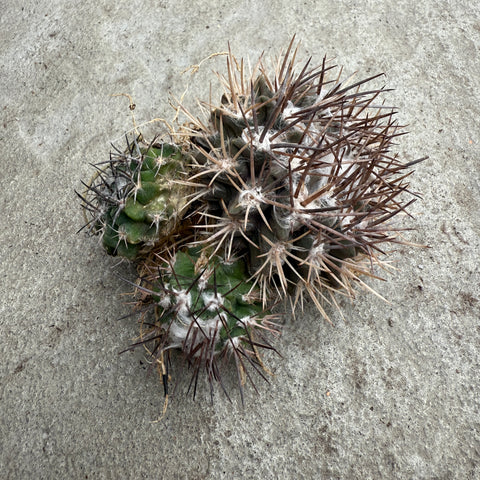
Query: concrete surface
point(392, 393)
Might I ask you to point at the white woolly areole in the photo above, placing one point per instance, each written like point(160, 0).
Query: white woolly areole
point(178, 332)
point(189, 332)
point(317, 250)
point(203, 280)
point(234, 342)
point(184, 302)
point(249, 297)
point(165, 301)
point(254, 138)
point(224, 164)
point(299, 213)
point(247, 321)
point(278, 251)
point(251, 197)
point(169, 269)
point(212, 301)
point(316, 254)
point(290, 110)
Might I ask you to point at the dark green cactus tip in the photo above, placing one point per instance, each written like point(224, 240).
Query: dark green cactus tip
point(298, 178)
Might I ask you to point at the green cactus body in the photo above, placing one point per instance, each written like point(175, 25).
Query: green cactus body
point(139, 199)
point(298, 178)
point(208, 309)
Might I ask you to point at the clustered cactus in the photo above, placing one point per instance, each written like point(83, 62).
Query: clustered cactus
point(289, 189)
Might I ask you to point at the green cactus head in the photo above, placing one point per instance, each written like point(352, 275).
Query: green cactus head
point(207, 309)
point(137, 199)
point(298, 178)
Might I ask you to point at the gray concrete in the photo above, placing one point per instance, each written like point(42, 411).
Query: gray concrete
point(393, 392)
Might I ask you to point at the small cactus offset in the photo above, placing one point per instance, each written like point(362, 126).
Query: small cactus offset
point(137, 199)
point(289, 189)
point(207, 308)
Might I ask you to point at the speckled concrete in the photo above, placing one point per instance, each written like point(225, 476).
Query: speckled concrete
point(391, 393)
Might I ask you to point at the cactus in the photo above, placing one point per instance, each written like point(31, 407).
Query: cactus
point(206, 308)
point(289, 188)
point(298, 178)
point(138, 198)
